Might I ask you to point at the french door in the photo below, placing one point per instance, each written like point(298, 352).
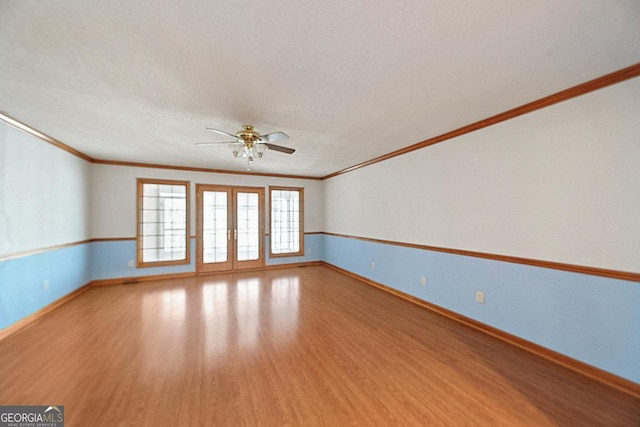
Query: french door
point(230, 228)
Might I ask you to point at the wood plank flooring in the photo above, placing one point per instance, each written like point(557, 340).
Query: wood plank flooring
point(298, 346)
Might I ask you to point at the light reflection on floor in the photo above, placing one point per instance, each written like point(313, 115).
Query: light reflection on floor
point(163, 323)
point(233, 314)
point(248, 311)
point(216, 318)
point(285, 301)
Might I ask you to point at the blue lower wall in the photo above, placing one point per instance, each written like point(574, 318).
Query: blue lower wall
point(110, 259)
point(593, 319)
point(22, 289)
point(313, 251)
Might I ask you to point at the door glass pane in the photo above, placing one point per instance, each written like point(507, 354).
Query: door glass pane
point(248, 227)
point(214, 226)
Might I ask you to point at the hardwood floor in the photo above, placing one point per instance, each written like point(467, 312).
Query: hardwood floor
point(299, 346)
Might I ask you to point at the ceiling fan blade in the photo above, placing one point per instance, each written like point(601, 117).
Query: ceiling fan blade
point(217, 142)
point(280, 148)
point(221, 132)
point(273, 137)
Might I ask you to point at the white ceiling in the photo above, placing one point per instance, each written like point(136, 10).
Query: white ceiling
point(348, 80)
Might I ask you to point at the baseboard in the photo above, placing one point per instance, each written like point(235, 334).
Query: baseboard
point(22, 323)
point(138, 279)
point(575, 365)
point(294, 265)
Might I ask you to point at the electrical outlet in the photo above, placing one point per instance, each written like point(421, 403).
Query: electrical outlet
point(423, 281)
point(132, 263)
point(45, 284)
point(373, 265)
point(480, 297)
point(309, 251)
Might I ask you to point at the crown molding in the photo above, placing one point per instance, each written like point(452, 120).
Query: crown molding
point(627, 73)
point(573, 92)
point(43, 136)
point(198, 169)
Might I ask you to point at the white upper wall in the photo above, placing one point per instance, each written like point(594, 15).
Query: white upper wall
point(43, 193)
point(559, 184)
point(113, 196)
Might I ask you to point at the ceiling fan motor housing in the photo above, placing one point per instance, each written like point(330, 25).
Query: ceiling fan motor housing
point(248, 135)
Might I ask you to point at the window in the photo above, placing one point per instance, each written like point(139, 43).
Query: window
point(163, 222)
point(287, 218)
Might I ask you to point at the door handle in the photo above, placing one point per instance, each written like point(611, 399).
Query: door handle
point(228, 234)
point(235, 234)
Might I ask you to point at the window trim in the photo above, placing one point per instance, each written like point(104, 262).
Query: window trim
point(140, 184)
point(300, 190)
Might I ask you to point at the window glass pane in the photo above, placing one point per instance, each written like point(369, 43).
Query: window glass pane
point(150, 190)
point(285, 221)
point(163, 225)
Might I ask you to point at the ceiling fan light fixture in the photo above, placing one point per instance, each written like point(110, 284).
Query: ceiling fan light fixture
point(236, 148)
point(259, 150)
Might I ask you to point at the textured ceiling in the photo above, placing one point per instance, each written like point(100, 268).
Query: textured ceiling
point(140, 80)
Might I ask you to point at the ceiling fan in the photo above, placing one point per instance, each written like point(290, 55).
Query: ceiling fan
point(248, 143)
